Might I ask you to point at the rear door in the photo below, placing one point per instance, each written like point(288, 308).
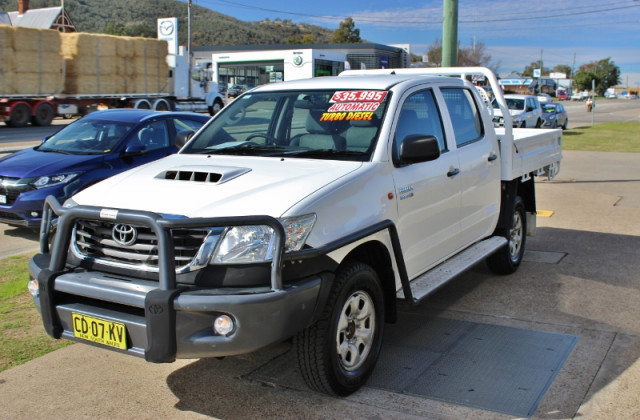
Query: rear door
point(479, 175)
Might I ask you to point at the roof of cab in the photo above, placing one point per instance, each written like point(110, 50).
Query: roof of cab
point(354, 82)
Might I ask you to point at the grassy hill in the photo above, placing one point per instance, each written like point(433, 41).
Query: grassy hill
point(138, 18)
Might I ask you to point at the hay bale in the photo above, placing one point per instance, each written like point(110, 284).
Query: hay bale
point(80, 43)
point(6, 37)
point(124, 47)
point(92, 84)
point(32, 39)
point(91, 65)
point(34, 61)
point(149, 47)
point(35, 83)
point(150, 84)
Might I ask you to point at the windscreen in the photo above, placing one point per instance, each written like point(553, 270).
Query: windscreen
point(340, 125)
point(87, 137)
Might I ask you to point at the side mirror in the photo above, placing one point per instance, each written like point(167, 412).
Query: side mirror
point(419, 148)
point(45, 138)
point(134, 149)
point(183, 137)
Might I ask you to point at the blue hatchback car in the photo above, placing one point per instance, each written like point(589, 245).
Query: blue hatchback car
point(86, 151)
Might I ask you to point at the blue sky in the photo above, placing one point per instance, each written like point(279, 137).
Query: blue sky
point(515, 32)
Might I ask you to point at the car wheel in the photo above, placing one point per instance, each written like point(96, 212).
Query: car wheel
point(507, 259)
point(523, 124)
point(555, 124)
point(20, 115)
point(539, 123)
point(337, 354)
point(566, 124)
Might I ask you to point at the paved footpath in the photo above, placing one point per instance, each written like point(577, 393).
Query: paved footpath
point(579, 277)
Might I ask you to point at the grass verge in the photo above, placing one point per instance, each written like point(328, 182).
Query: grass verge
point(22, 336)
point(604, 137)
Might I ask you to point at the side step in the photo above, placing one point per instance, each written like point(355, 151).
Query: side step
point(431, 280)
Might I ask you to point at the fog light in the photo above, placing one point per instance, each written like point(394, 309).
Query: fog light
point(34, 214)
point(223, 325)
point(33, 287)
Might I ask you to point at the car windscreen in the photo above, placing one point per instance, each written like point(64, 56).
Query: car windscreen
point(515, 104)
point(87, 137)
point(328, 124)
point(548, 109)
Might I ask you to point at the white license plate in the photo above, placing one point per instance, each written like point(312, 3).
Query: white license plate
point(3, 199)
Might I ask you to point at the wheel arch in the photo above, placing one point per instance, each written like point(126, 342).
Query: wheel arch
point(377, 256)
point(509, 191)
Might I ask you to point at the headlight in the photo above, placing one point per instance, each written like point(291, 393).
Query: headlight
point(255, 244)
point(48, 181)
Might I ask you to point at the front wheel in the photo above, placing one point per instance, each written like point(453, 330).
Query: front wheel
point(337, 354)
point(216, 107)
point(507, 259)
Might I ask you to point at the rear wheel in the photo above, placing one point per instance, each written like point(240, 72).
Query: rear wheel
point(337, 354)
point(523, 124)
point(44, 114)
point(20, 115)
point(507, 259)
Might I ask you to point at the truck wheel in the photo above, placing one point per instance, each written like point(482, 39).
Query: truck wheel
point(507, 259)
point(20, 116)
point(217, 106)
point(337, 354)
point(43, 115)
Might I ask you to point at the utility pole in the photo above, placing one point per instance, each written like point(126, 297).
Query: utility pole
point(450, 33)
point(189, 48)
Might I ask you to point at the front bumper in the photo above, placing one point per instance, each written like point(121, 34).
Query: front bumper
point(166, 320)
point(164, 325)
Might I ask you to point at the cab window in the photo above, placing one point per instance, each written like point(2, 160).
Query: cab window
point(464, 113)
point(419, 115)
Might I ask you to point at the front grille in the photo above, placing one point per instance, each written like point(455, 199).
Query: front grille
point(10, 189)
point(95, 239)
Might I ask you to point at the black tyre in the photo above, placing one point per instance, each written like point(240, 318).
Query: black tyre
point(217, 106)
point(44, 115)
point(566, 124)
point(337, 354)
point(539, 123)
point(507, 259)
point(20, 116)
point(523, 124)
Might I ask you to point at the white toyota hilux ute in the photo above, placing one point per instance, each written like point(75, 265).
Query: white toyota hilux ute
point(301, 211)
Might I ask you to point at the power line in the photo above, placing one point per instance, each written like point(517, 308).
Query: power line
point(438, 21)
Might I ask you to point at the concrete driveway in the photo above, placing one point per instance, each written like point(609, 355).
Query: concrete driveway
point(579, 278)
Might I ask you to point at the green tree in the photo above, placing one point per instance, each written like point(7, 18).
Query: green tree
point(346, 33)
point(528, 70)
point(605, 73)
point(563, 68)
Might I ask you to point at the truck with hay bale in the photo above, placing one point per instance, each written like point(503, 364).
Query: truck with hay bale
point(45, 73)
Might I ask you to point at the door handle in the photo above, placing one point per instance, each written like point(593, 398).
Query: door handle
point(492, 157)
point(453, 172)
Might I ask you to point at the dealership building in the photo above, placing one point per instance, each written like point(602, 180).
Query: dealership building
point(250, 66)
